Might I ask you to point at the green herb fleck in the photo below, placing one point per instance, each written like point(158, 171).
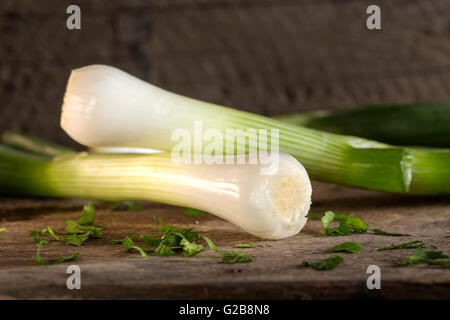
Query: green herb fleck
point(78, 232)
point(408, 245)
point(151, 241)
point(126, 205)
point(37, 236)
point(88, 214)
point(384, 233)
point(231, 256)
point(56, 261)
point(313, 216)
point(128, 244)
point(236, 257)
point(173, 240)
point(193, 212)
point(50, 231)
point(3, 229)
point(351, 247)
point(190, 248)
point(347, 224)
point(212, 245)
point(245, 245)
point(327, 264)
point(429, 257)
point(34, 233)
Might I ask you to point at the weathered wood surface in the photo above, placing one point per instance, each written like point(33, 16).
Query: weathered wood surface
point(110, 272)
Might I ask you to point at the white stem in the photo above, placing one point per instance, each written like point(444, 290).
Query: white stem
point(269, 201)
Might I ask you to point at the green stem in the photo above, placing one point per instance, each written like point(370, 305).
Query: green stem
point(426, 124)
point(331, 157)
point(33, 144)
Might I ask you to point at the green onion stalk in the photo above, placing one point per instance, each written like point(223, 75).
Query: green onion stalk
point(422, 124)
point(108, 108)
point(271, 204)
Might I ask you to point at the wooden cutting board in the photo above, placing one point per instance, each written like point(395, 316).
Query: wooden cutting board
point(108, 272)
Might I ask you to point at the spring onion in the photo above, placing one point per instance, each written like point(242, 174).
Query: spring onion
point(425, 124)
point(107, 108)
point(271, 204)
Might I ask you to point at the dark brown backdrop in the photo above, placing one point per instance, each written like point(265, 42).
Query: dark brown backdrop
point(266, 56)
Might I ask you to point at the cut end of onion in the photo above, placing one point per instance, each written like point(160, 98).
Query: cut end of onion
point(286, 195)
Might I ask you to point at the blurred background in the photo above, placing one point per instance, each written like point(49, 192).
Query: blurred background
point(266, 56)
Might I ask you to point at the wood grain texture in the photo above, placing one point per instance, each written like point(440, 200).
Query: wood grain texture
point(110, 272)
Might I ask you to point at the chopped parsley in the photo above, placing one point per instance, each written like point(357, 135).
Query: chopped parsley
point(173, 240)
point(55, 261)
point(193, 212)
point(313, 216)
point(52, 233)
point(3, 229)
point(245, 245)
point(128, 244)
point(78, 232)
point(126, 206)
point(347, 224)
point(429, 257)
point(351, 247)
point(389, 234)
point(408, 245)
point(230, 256)
point(327, 264)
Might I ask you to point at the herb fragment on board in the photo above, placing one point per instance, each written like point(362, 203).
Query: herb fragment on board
point(52, 233)
point(78, 232)
point(347, 224)
point(327, 264)
point(408, 245)
point(379, 232)
point(193, 212)
point(61, 259)
point(126, 206)
point(3, 229)
point(173, 240)
point(429, 257)
point(128, 244)
point(245, 245)
point(313, 216)
point(350, 247)
point(230, 256)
